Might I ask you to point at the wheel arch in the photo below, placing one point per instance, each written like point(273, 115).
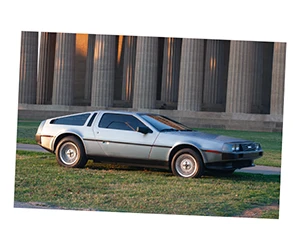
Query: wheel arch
point(183, 146)
point(63, 135)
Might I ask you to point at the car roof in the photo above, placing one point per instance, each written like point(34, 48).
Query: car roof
point(125, 112)
point(104, 111)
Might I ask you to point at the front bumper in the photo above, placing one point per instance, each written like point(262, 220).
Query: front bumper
point(236, 156)
point(232, 161)
point(230, 165)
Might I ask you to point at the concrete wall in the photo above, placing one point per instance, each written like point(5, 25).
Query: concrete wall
point(194, 119)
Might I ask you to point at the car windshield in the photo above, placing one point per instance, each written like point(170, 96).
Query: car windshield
point(164, 124)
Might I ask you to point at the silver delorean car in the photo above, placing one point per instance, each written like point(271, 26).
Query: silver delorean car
point(143, 139)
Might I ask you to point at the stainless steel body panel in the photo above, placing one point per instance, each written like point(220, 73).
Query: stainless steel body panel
point(155, 144)
point(125, 144)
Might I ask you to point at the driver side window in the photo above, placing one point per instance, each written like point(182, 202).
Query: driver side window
point(120, 122)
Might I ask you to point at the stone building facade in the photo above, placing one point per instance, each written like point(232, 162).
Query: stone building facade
point(201, 82)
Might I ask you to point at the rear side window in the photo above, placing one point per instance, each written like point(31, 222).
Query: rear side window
point(119, 121)
point(75, 120)
point(91, 120)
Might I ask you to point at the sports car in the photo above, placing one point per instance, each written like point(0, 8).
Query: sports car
point(143, 139)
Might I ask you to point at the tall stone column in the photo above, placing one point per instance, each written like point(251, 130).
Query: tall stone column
point(241, 77)
point(81, 50)
point(28, 67)
point(171, 68)
point(278, 75)
point(63, 78)
point(129, 67)
point(191, 75)
point(104, 71)
point(145, 82)
point(46, 66)
point(89, 69)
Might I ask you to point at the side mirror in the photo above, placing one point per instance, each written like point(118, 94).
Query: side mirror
point(144, 130)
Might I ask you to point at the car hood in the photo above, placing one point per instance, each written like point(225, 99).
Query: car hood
point(192, 137)
point(208, 136)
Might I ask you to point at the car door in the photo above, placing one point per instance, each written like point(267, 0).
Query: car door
point(117, 135)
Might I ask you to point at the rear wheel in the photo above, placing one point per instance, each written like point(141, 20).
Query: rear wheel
point(70, 153)
point(187, 163)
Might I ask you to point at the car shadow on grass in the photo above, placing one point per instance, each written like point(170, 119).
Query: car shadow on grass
point(167, 173)
point(110, 166)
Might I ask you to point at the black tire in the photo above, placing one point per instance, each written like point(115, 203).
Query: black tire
point(70, 153)
point(187, 163)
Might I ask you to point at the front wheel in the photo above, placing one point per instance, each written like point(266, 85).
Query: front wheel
point(70, 153)
point(187, 163)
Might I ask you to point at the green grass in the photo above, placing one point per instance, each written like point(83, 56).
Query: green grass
point(271, 142)
point(108, 187)
point(26, 131)
point(270, 214)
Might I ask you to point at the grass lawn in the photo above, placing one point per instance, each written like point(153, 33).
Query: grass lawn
point(26, 131)
point(271, 142)
point(108, 187)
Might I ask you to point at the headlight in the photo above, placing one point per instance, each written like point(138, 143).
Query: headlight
point(231, 147)
point(257, 146)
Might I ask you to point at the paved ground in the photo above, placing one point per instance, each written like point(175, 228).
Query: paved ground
point(18, 204)
point(30, 147)
point(260, 170)
point(252, 170)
